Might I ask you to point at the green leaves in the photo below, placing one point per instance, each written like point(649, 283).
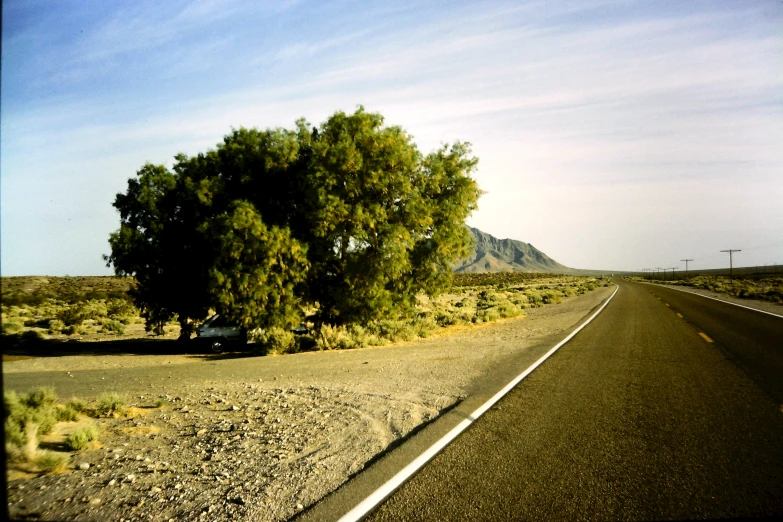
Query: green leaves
point(254, 281)
point(350, 219)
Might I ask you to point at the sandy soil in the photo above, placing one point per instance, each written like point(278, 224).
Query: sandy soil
point(261, 438)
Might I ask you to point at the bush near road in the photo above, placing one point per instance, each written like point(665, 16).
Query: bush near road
point(472, 299)
point(765, 288)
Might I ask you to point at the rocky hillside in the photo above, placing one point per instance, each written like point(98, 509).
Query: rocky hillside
point(506, 255)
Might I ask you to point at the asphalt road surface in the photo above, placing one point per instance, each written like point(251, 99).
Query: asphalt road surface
point(666, 406)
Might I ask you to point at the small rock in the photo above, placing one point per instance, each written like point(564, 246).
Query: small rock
point(234, 408)
point(112, 482)
point(201, 432)
point(84, 465)
point(299, 506)
point(95, 500)
point(155, 489)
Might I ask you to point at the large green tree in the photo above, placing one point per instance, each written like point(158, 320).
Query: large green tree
point(349, 219)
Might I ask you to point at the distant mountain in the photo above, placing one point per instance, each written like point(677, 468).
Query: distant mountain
point(506, 255)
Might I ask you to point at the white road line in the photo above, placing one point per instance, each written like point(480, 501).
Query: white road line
point(383, 492)
point(720, 300)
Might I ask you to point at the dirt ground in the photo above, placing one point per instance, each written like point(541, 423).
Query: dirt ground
point(256, 438)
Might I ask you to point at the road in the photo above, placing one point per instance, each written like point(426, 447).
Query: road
point(666, 406)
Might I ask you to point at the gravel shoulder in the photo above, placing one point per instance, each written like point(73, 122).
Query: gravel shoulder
point(257, 438)
point(758, 304)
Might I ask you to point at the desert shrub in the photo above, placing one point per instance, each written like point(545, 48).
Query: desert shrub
point(446, 318)
point(113, 327)
point(50, 460)
point(30, 440)
point(486, 316)
point(534, 298)
point(56, 326)
point(92, 309)
point(79, 438)
point(111, 404)
point(393, 330)
point(160, 402)
point(11, 402)
point(484, 300)
point(425, 314)
point(330, 337)
point(14, 433)
point(28, 415)
point(552, 297)
point(77, 405)
point(70, 316)
point(272, 340)
point(66, 414)
point(465, 317)
point(44, 418)
point(278, 340)
point(359, 335)
point(305, 343)
point(74, 329)
point(423, 326)
point(465, 302)
point(11, 327)
point(83, 311)
point(507, 309)
point(40, 398)
point(776, 296)
point(116, 308)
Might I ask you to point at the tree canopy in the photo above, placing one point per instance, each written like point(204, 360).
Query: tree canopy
point(348, 219)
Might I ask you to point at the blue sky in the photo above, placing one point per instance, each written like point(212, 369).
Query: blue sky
point(617, 135)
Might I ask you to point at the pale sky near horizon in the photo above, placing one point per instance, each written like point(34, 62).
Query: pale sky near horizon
point(611, 134)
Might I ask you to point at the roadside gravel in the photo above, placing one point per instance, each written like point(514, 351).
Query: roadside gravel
point(758, 304)
point(256, 438)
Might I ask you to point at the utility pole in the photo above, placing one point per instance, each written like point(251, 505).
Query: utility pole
point(686, 266)
point(673, 269)
point(731, 261)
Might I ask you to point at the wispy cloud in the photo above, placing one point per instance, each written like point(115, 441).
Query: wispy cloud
point(560, 100)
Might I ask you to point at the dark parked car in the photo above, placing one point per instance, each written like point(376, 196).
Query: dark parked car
point(220, 333)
